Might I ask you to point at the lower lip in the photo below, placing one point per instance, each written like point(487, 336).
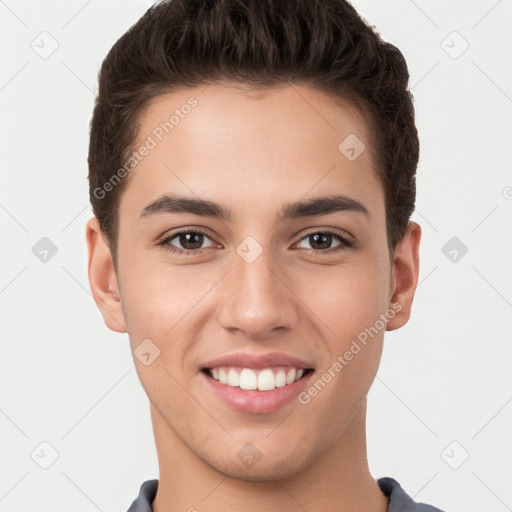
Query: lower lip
point(257, 401)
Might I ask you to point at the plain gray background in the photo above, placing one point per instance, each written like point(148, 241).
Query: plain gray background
point(440, 411)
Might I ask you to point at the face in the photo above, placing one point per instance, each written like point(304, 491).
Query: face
point(263, 267)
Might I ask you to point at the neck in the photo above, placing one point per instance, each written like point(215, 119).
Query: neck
point(338, 480)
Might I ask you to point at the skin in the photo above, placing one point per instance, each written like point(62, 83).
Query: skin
point(236, 148)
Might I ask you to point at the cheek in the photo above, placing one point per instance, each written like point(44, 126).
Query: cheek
point(168, 306)
point(347, 311)
point(157, 296)
point(346, 298)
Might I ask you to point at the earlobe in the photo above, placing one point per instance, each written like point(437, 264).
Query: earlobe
point(103, 279)
point(405, 275)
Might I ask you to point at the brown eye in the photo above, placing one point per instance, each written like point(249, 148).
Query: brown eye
point(191, 241)
point(322, 241)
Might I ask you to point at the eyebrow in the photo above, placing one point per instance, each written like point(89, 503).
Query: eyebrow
point(325, 205)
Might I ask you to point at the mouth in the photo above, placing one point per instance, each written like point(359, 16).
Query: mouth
point(256, 383)
point(261, 379)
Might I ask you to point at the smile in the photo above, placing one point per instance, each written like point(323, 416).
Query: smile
point(265, 379)
point(251, 390)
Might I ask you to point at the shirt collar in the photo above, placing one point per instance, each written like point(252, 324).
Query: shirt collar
point(399, 500)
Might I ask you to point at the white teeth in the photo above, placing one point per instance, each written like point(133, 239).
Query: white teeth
point(262, 380)
point(233, 378)
point(280, 379)
point(248, 379)
point(291, 376)
point(266, 380)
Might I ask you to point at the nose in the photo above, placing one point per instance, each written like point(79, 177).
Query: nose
point(258, 298)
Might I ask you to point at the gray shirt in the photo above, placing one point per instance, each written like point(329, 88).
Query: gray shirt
point(399, 501)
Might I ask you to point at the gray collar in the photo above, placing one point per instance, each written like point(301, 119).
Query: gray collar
point(399, 500)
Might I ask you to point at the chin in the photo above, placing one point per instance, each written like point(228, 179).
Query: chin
point(266, 469)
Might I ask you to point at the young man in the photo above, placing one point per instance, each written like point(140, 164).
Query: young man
point(252, 175)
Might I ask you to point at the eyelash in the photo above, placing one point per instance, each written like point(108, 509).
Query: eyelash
point(346, 243)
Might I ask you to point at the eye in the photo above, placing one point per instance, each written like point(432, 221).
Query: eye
point(190, 241)
point(323, 240)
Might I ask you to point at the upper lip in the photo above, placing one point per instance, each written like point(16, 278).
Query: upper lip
point(258, 361)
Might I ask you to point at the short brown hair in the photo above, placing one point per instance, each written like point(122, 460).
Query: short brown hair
point(263, 43)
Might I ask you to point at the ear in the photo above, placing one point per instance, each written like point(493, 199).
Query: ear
point(103, 279)
point(405, 275)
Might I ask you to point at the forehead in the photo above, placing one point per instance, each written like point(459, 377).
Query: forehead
point(222, 108)
point(225, 141)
